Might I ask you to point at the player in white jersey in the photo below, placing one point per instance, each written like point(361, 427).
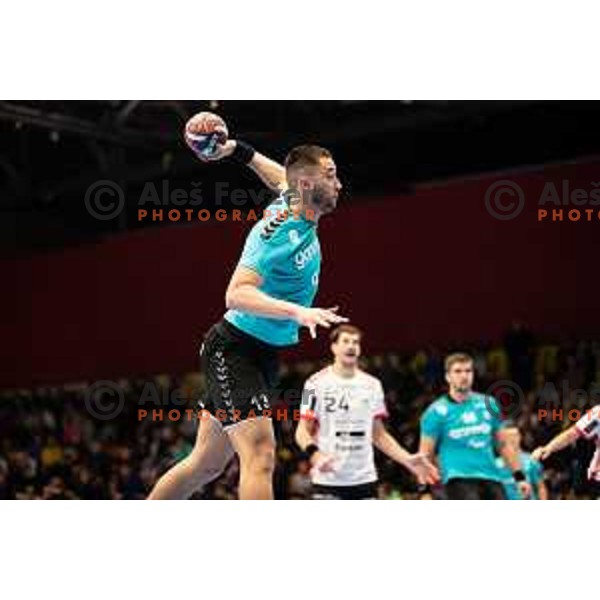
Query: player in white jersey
point(588, 427)
point(341, 420)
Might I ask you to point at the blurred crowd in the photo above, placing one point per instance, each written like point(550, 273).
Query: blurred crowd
point(53, 445)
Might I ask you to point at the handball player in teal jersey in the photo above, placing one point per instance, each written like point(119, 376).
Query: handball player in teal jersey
point(534, 472)
point(268, 299)
point(465, 431)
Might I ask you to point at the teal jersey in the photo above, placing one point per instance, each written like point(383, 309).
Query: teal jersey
point(533, 472)
point(284, 250)
point(464, 434)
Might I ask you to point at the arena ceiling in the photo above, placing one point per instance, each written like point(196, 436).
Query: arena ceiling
point(52, 151)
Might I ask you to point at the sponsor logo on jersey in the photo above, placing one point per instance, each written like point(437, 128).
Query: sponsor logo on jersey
point(469, 418)
point(303, 257)
point(441, 410)
point(460, 432)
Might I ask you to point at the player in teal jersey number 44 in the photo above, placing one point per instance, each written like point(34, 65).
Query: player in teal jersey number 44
point(268, 298)
point(465, 431)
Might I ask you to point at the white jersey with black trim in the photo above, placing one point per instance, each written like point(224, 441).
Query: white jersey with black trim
point(345, 408)
point(589, 428)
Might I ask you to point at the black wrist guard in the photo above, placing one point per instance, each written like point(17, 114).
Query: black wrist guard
point(243, 152)
point(519, 476)
point(310, 450)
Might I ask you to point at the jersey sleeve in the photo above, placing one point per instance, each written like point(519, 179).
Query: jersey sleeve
point(432, 422)
point(263, 248)
point(594, 468)
point(589, 425)
point(536, 474)
point(378, 402)
point(309, 407)
point(495, 410)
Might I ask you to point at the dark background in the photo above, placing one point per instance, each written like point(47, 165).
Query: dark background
point(50, 152)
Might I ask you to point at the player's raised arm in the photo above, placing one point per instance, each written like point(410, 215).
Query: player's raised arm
point(202, 126)
point(271, 173)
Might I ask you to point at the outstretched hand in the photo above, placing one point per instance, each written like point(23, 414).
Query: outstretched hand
point(421, 467)
point(322, 463)
point(325, 317)
point(540, 453)
point(222, 149)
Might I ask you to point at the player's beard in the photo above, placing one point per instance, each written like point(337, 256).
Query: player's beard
point(463, 389)
point(323, 201)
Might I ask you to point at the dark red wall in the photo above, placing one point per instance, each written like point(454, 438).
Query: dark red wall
point(433, 267)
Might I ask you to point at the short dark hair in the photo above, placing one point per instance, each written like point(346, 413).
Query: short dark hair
point(306, 155)
point(334, 336)
point(457, 357)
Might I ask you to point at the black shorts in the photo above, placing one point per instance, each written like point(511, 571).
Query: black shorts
point(474, 489)
point(241, 374)
point(363, 491)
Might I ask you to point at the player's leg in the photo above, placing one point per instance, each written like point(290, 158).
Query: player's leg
point(492, 490)
point(462, 489)
point(321, 492)
point(361, 491)
point(241, 376)
point(212, 451)
point(254, 442)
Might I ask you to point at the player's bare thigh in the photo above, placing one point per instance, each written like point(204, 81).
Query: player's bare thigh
point(251, 436)
point(212, 448)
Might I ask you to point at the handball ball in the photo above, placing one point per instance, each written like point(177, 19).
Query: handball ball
point(204, 132)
